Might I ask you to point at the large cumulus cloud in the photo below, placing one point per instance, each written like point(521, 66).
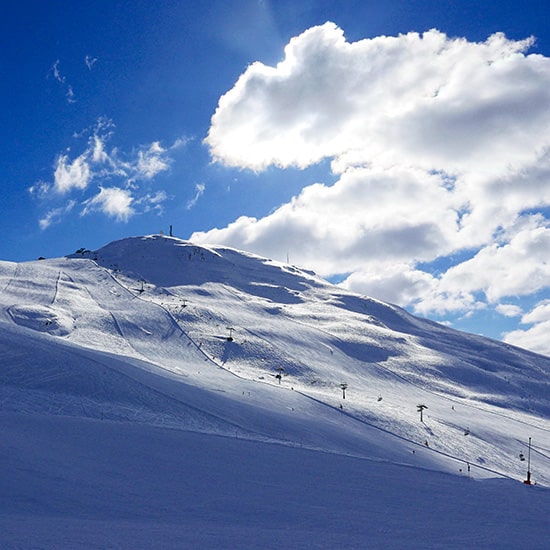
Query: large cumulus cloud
point(442, 148)
point(425, 99)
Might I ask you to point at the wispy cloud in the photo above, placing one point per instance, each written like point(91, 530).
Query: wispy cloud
point(40, 189)
point(440, 146)
point(199, 190)
point(152, 202)
point(90, 61)
point(106, 179)
point(539, 314)
point(56, 72)
point(55, 215)
point(70, 94)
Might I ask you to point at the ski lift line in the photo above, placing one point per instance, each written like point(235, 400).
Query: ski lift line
point(546, 450)
point(410, 441)
point(417, 385)
point(173, 320)
point(405, 379)
point(534, 449)
point(141, 298)
point(377, 363)
point(171, 316)
point(197, 347)
point(167, 312)
point(539, 452)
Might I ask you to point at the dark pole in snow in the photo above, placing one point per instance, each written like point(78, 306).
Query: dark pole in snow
point(343, 386)
point(420, 409)
point(528, 480)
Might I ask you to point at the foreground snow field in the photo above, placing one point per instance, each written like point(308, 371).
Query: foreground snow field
point(155, 393)
point(80, 483)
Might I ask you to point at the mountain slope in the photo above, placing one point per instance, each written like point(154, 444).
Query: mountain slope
point(165, 308)
point(151, 334)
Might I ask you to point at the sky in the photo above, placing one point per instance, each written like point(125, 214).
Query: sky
point(400, 149)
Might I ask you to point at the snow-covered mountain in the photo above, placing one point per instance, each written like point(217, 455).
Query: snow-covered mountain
point(155, 338)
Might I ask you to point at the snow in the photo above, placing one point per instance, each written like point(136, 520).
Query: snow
point(131, 419)
point(42, 318)
point(92, 486)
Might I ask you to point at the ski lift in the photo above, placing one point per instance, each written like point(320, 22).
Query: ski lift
point(521, 457)
point(467, 431)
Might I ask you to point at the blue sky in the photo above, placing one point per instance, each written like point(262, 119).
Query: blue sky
point(400, 150)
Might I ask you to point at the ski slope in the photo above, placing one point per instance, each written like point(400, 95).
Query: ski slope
point(122, 369)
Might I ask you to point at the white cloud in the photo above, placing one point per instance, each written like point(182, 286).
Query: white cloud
point(518, 267)
point(396, 284)
point(90, 61)
point(541, 313)
point(368, 216)
point(55, 215)
point(70, 94)
point(39, 189)
point(112, 201)
point(151, 161)
point(199, 190)
point(69, 175)
point(179, 143)
point(120, 182)
point(535, 338)
point(509, 310)
point(56, 72)
point(441, 146)
point(152, 202)
point(426, 99)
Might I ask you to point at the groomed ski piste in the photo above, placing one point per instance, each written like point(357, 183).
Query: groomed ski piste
point(159, 394)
